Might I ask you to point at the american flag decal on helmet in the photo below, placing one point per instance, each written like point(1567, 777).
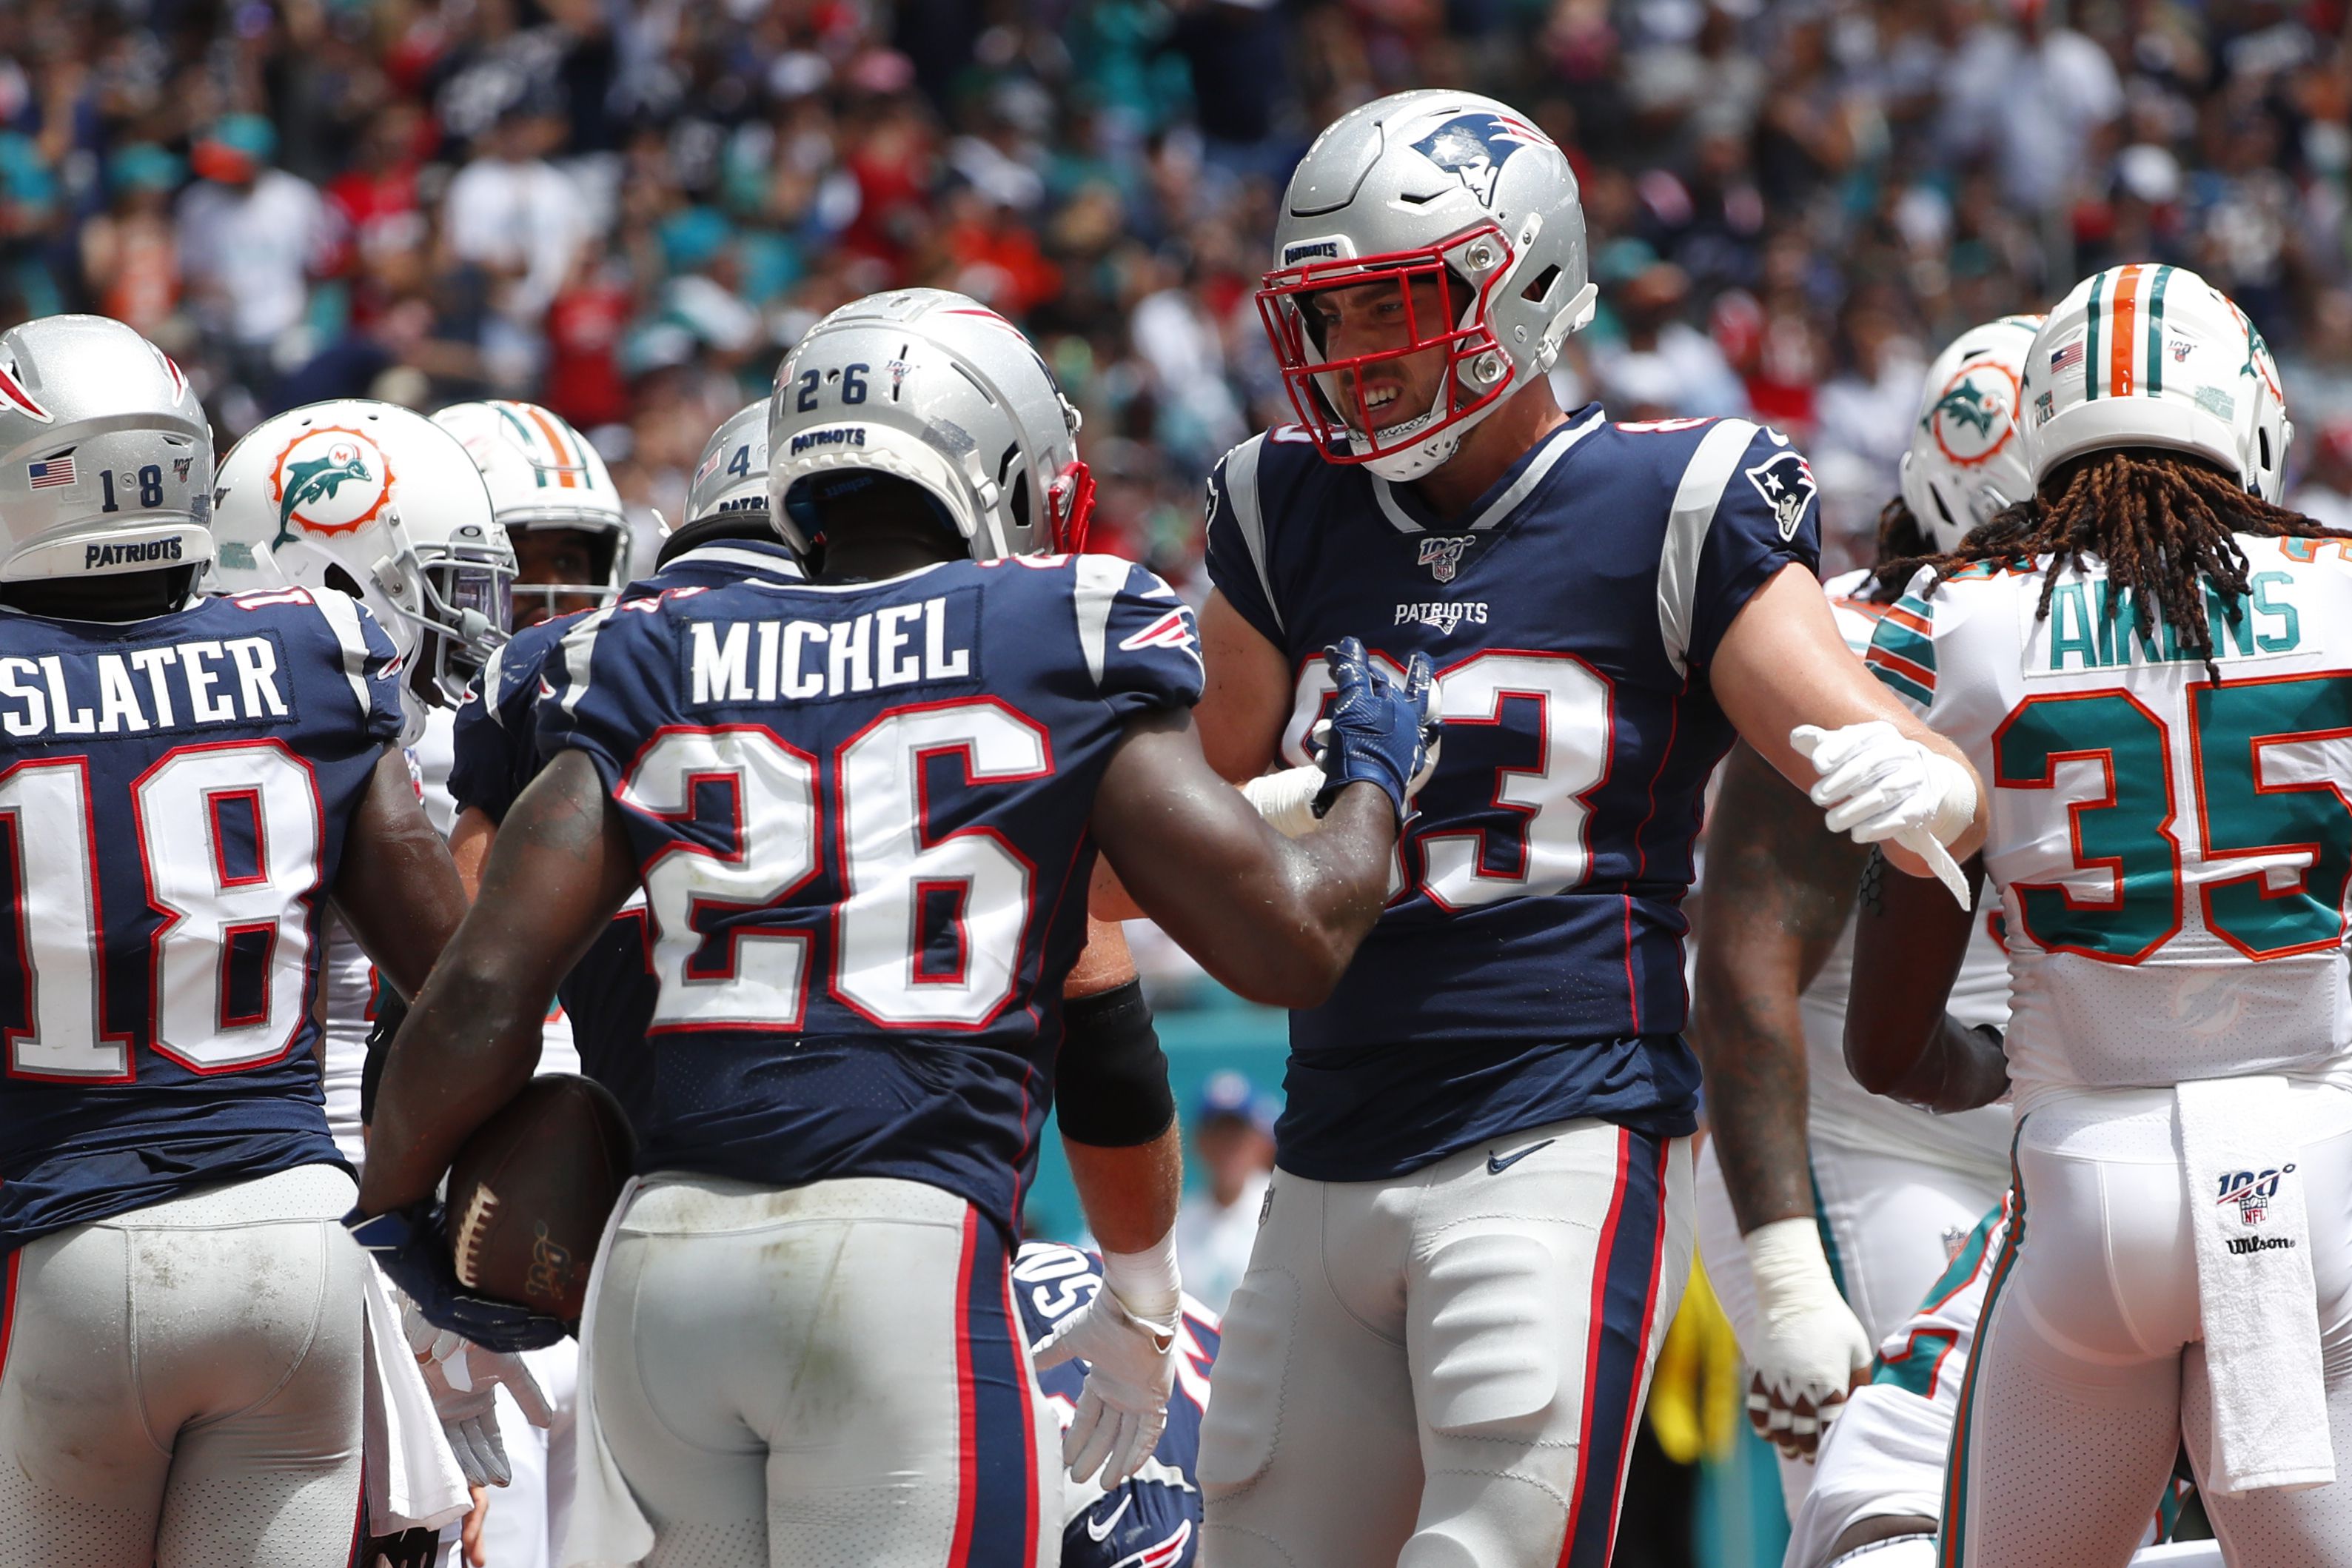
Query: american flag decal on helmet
point(23, 402)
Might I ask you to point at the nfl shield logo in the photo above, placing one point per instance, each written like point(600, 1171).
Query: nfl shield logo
point(1444, 556)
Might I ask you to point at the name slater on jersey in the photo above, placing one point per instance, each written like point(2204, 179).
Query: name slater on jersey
point(2092, 626)
point(96, 555)
point(797, 660)
point(1443, 614)
point(177, 685)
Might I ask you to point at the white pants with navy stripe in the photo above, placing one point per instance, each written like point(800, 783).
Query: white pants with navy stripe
point(1444, 1369)
point(828, 1376)
point(180, 1386)
point(2089, 1367)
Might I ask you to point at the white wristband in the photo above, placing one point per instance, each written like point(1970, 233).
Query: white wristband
point(1287, 799)
point(1791, 1271)
point(1146, 1283)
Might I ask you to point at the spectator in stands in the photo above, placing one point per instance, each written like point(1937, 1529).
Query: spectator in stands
point(1232, 1138)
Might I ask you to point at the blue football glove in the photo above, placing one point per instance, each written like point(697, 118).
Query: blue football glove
point(411, 1247)
point(1378, 731)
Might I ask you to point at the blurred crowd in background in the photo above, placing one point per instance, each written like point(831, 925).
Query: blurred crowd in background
point(627, 209)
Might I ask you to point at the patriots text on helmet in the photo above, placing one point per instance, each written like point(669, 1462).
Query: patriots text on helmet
point(96, 557)
point(808, 440)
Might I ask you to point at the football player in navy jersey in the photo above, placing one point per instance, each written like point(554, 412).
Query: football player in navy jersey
point(1151, 1519)
point(1481, 1220)
point(188, 786)
point(860, 808)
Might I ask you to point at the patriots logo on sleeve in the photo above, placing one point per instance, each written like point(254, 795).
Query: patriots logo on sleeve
point(1786, 483)
point(1173, 629)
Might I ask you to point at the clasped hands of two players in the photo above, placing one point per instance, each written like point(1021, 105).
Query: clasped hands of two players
point(466, 1345)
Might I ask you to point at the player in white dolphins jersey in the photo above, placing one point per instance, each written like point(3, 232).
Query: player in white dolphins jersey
point(1832, 1191)
point(372, 500)
point(2147, 660)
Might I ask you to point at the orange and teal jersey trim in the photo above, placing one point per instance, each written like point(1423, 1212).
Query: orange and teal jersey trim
point(2123, 346)
point(1903, 649)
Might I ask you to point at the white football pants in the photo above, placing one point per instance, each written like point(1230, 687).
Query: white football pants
point(828, 1376)
point(182, 1385)
point(2089, 1368)
point(1444, 1369)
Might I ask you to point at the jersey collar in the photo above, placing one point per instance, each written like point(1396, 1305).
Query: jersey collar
point(1407, 513)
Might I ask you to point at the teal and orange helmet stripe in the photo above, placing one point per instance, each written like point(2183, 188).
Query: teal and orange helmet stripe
point(1903, 649)
point(541, 437)
point(2124, 336)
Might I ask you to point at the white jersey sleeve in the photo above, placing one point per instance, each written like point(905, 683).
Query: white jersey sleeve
point(2172, 851)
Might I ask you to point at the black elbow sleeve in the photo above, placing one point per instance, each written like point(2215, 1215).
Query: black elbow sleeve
point(1111, 1081)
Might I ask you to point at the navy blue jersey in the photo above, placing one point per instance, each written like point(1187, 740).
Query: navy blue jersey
point(860, 813)
point(609, 995)
point(173, 798)
point(1152, 1520)
point(1529, 966)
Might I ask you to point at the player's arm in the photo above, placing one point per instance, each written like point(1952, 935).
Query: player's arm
point(396, 888)
point(1245, 697)
point(1780, 886)
point(469, 845)
point(1909, 941)
point(1277, 919)
point(1783, 666)
point(560, 869)
point(1110, 1086)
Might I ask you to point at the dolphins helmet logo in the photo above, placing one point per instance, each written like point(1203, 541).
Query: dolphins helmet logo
point(1973, 417)
point(1473, 148)
point(331, 479)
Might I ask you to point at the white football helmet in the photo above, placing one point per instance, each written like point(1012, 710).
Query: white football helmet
point(2146, 355)
point(376, 502)
point(543, 474)
point(1967, 459)
point(106, 458)
point(732, 476)
point(1433, 184)
point(939, 390)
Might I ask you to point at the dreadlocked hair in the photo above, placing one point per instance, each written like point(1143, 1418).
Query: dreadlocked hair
point(2162, 522)
point(1903, 543)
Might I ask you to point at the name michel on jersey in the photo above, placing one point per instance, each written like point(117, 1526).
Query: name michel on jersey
point(172, 686)
point(801, 660)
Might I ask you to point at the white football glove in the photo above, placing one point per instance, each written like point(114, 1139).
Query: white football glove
point(1879, 783)
point(464, 1380)
point(1130, 1363)
point(1287, 799)
point(1813, 1349)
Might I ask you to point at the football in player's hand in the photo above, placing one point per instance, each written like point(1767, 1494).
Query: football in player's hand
point(532, 1189)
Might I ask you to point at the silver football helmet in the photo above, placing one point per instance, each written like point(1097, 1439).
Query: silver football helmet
point(542, 473)
point(106, 459)
point(372, 500)
point(732, 476)
point(939, 390)
point(1430, 185)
